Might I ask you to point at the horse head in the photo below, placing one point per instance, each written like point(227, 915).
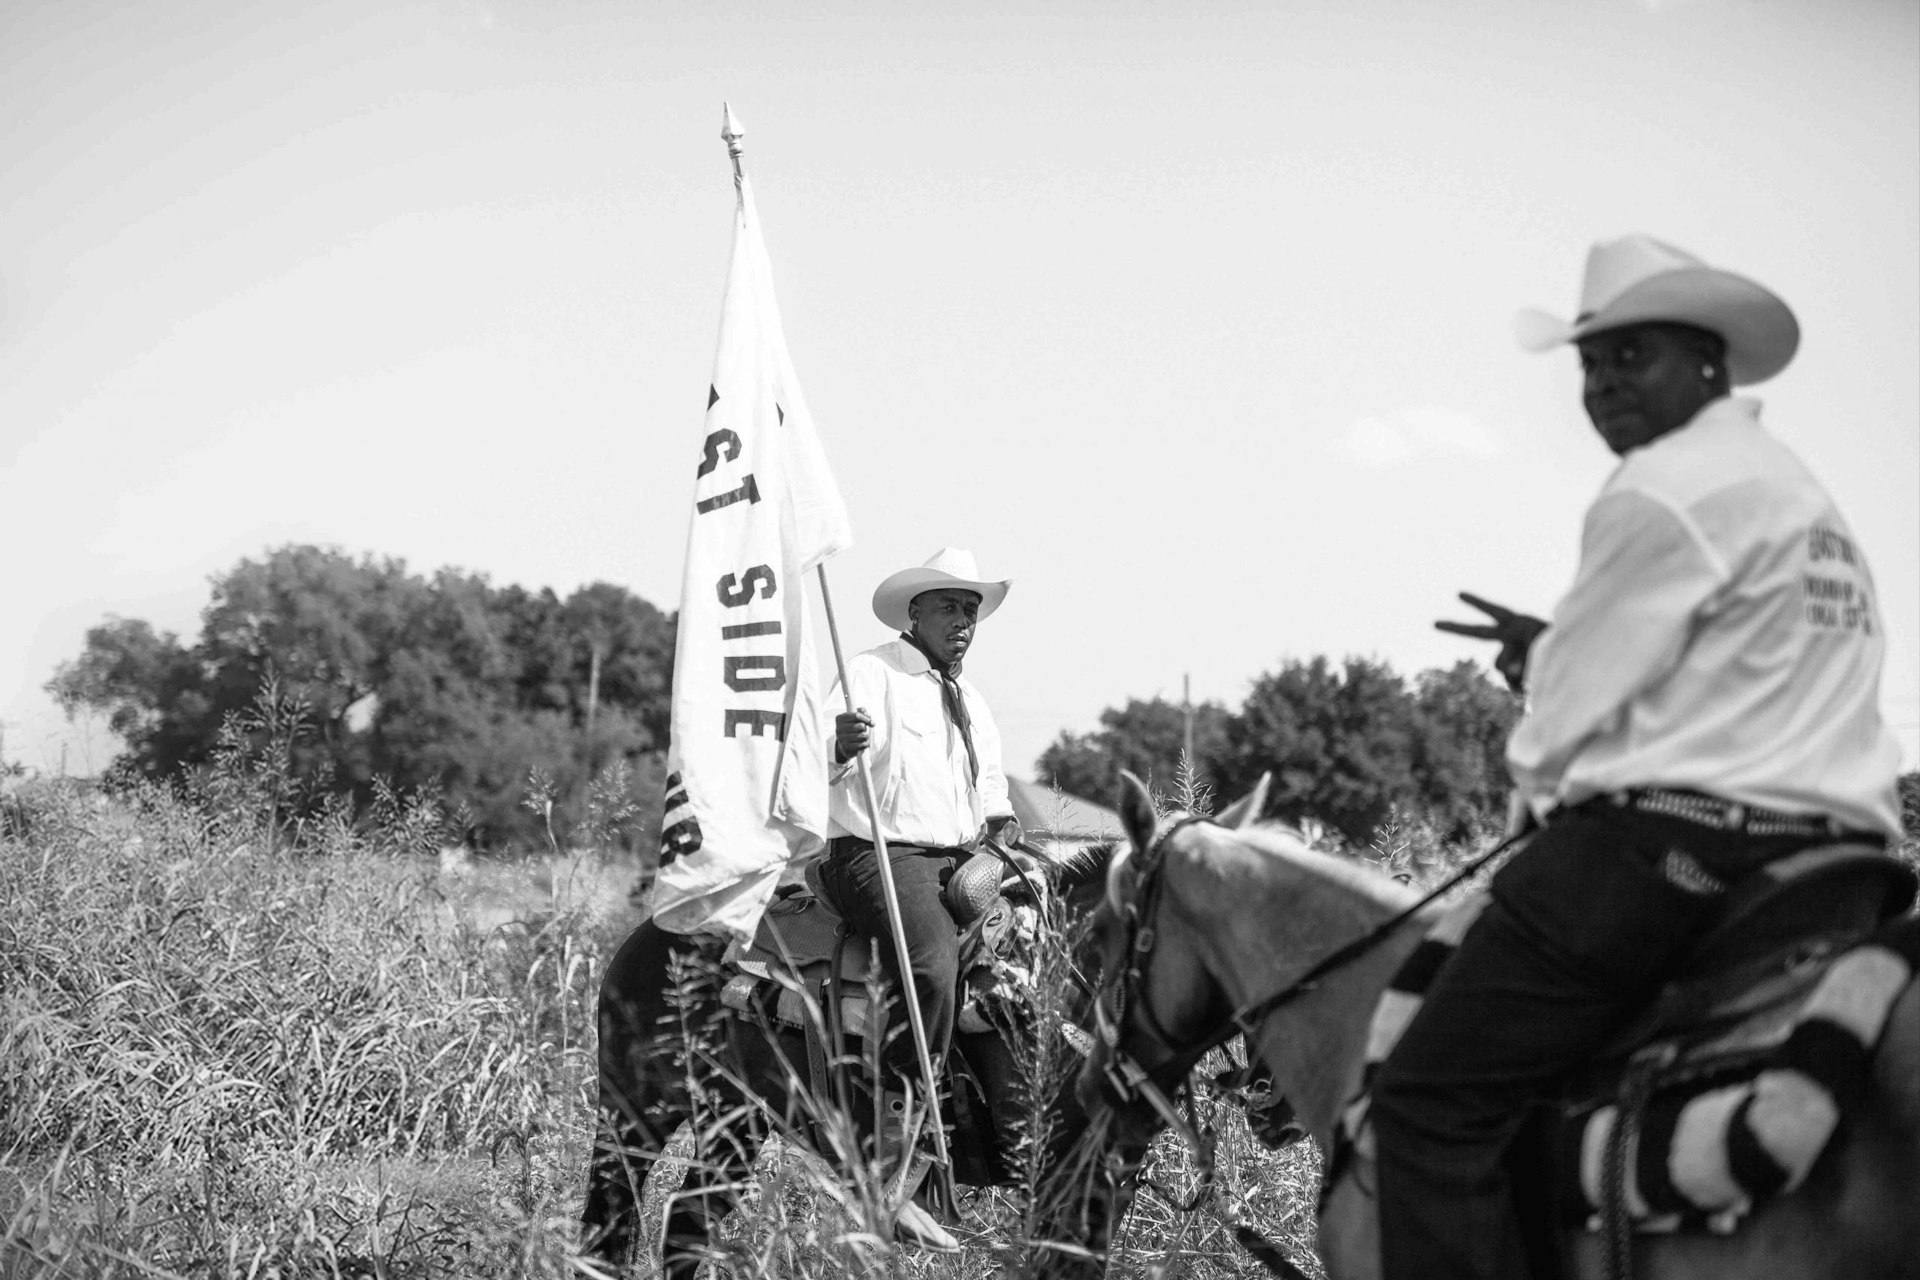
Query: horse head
point(1152, 1020)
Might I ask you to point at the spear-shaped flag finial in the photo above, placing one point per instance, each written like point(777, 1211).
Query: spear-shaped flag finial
point(731, 133)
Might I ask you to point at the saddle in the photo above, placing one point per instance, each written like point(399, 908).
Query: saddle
point(804, 951)
point(1728, 1087)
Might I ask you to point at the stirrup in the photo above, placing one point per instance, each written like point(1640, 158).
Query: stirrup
point(904, 1169)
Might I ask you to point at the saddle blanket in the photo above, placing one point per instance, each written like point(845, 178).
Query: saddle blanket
point(799, 940)
point(1725, 1114)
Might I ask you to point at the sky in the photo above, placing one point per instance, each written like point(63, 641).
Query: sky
point(1193, 321)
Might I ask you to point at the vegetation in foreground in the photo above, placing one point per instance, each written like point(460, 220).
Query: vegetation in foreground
point(235, 1047)
point(231, 1046)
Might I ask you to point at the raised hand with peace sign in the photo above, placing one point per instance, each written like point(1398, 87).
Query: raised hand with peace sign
point(1515, 633)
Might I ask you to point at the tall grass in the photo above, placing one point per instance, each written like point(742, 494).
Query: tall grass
point(244, 1035)
point(232, 1044)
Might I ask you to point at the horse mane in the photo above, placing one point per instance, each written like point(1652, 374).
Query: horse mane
point(1078, 865)
point(1279, 840)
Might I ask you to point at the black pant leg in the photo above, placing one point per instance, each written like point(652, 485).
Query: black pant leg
point(853, 879)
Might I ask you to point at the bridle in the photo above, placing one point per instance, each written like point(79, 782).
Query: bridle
point(1124, 1081)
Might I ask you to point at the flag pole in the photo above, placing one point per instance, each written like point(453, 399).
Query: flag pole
point(909, 996)
point(732, 133)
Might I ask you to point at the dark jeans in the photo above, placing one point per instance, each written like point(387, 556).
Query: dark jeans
point(851, 877)
point(1582, 929)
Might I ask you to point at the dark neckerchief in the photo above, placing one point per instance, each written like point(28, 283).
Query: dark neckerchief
point(956, 703)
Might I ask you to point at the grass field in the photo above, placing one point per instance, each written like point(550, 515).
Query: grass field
point(234, 1047)
point(230, 1047)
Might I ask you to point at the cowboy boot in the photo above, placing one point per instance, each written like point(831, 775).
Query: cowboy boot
point(904, 1168)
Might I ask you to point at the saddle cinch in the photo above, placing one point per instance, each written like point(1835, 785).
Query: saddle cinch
point(803, 945)
point(1729, 1086)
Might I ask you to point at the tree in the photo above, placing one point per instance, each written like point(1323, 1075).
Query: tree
point(1462, 722)
point(1339, 743)
point(1144, 738)
point(1079, 764)
point(632, 643)
point(444, 683)
point(147, 686)
point(321, 625)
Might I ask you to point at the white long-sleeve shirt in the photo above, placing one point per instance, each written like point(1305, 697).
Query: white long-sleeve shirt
point(1721, 635)
point(921, 775)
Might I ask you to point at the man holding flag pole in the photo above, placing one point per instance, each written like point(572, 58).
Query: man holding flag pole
point(922, 729)
point(747, 783)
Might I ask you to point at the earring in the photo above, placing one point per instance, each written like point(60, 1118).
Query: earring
point(1706, 371)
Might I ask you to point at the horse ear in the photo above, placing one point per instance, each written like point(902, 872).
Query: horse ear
point(1120, 879)
point(1136, 811)
point(1245, 811)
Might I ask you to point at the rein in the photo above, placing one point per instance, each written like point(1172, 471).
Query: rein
point(1126, 1081)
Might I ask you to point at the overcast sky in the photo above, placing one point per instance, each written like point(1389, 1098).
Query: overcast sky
point(1193, 320)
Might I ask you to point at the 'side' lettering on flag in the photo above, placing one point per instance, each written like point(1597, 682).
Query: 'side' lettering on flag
point(747, 766)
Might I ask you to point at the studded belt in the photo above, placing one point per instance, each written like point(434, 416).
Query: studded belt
point(1730, 815)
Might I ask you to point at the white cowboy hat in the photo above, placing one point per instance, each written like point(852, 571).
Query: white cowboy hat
point(1637, 279)
point(950, 568)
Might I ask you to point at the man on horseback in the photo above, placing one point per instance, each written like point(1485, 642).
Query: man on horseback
point(933, 754)
point(1705, 700)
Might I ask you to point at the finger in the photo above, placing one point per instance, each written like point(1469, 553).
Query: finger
point(1477, 630)
point(1498, 612)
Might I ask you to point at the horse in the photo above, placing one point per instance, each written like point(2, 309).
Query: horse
point(1227, 922)
point(653, 1022)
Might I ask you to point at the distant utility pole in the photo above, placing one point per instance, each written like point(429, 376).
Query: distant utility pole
point(593, 685)
point(1186, 719)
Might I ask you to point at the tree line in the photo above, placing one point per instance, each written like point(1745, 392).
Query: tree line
point(441, 684)
point(1349, 745)
point(487, 697)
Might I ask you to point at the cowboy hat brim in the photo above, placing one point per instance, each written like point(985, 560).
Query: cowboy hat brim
point(1759, 329)
point(892, 596)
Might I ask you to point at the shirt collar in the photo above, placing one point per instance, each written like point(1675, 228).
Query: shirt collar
point(1729, 409)
point(1724, 412)
point(912, 661)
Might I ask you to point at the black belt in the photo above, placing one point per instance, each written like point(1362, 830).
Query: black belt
point(1732, 816)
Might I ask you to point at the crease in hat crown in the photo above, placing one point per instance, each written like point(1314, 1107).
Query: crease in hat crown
point(1637, 279)
point(952, 568)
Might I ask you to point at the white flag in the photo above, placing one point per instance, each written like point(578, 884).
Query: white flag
point(747, 764)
